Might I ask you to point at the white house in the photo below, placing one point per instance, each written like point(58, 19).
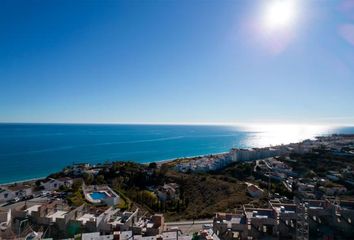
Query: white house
point(6, 195)
point(10, 192)
point(80, 168)
point(52, 184)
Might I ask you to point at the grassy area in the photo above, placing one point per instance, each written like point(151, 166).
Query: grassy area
point(123, 204)
point(198, 195)
point(204, 195)
point(124, 201)
point(76, 198)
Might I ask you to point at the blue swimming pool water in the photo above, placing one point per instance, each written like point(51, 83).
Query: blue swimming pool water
point(98, 195)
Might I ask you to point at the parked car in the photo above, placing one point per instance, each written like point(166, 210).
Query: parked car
point(207, 226)
point(16, 199)
point(27, 198)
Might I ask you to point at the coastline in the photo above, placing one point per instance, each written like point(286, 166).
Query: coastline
point(22, 181)
point(158, 162)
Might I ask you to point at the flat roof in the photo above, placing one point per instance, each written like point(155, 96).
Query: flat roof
point(259, 213)
point(86, 217)
point(33, 208)
point(57, 214)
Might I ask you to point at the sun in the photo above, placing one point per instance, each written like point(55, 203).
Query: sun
point(279, 14)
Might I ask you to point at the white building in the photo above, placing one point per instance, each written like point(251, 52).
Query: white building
point(6, 195)
point(253, 153)
point(10, 192)
point(52, 184)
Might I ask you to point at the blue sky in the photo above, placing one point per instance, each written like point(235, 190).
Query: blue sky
point(174, 61)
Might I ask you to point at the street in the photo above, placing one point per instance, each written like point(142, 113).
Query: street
point(188, 227)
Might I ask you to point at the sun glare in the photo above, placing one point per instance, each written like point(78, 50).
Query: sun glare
point(273, 134)
point(280, 14)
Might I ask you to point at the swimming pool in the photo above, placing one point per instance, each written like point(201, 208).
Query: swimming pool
point(98, 195)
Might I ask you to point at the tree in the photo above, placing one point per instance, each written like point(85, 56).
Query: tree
point(38, 183)
point(152, 165)
point(88, 178)
point(100, 179)
point(164, 169)
point(77, 185)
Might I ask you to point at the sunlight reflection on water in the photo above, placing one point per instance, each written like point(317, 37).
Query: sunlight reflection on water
point(270, 135)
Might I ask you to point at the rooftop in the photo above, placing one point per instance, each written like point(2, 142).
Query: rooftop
point(57, 214)
point(87, 217)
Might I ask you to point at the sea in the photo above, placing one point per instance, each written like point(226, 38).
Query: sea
point(30, 151)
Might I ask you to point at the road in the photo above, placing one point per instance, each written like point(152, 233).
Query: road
point(188, 227)
point(33, 200)
point(207, 221)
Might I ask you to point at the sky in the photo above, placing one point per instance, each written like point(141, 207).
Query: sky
point(179, 61)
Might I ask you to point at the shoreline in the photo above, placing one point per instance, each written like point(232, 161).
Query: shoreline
point(178, 158)
point(158, 162)
point(22, 181)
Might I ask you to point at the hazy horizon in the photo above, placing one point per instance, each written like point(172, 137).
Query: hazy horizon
point(245, 125)
point(251, 123)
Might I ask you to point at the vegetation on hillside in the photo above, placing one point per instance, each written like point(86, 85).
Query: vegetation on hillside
point(200, 195)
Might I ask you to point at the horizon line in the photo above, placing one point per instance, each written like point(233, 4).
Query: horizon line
point(192, 123)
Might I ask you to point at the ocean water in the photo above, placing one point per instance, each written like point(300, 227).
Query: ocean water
point(30, 151)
